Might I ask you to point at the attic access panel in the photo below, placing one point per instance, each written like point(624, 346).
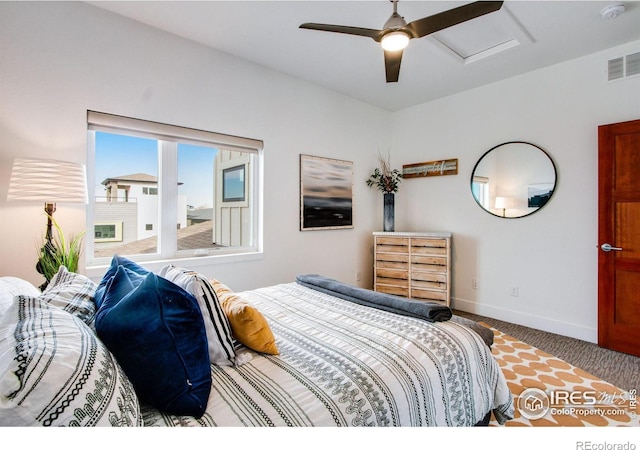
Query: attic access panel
point(480, 38)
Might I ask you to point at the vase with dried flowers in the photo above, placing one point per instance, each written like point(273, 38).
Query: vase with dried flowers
point(387, 181)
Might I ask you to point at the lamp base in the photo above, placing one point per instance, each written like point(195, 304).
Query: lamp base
point(48, 247)
point(49, 208)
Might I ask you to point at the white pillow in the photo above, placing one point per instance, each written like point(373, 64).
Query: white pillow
point(72, 292)
point(12, 286)
point(216, 323)
point(54, 371)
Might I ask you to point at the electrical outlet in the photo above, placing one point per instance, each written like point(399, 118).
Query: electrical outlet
point(474, 283)
point(515, 291)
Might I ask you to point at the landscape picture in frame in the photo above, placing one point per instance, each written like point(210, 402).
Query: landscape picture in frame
point(326, 193)
point(539, 194)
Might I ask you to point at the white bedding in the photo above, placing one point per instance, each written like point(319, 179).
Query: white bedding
point(343, 364)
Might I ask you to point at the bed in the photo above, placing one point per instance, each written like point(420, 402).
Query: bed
point(334, 361)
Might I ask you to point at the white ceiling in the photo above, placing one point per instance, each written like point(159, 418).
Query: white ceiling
point(266, 32)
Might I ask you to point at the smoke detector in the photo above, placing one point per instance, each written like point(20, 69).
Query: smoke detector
point(612, 11)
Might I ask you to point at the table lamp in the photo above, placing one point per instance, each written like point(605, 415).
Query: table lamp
point(49, 181)
point(503, 203)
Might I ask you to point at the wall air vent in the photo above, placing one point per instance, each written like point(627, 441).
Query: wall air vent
point(624, 66)
point(616, 69)
point(632, 66)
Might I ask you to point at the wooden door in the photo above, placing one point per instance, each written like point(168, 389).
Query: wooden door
point(619, 228)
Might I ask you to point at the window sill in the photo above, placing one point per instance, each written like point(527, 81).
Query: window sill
point(97, 270)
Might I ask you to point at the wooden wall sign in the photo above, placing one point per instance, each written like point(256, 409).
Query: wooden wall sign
point(431, 168)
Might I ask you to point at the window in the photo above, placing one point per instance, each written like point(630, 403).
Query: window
point(480, 190)
point(161, 191)
point(233, 184)
point(107, 232)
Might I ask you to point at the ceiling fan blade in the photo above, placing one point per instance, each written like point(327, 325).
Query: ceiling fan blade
point(427, 25)
point(392, 62)
point(366, 32)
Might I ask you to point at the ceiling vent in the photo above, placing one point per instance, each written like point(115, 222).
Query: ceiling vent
point(624, 66)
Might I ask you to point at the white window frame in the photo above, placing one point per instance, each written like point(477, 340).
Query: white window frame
point(168, 137)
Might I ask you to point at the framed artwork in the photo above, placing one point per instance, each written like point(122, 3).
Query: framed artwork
point(326, 193)
point(233, 179)
point(539, 194)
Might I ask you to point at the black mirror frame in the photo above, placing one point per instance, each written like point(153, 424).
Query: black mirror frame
point(555, 173)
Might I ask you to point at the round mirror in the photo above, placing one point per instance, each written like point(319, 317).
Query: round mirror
point(513, 179)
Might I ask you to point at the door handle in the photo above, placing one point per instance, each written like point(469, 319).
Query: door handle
point(608, 247)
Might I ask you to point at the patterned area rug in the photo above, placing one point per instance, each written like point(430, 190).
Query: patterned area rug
point(549, 392)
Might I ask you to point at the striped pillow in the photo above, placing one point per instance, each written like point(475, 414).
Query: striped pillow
point(54, 371)
point(218, 330)
point(12, 286)
point(72, 292)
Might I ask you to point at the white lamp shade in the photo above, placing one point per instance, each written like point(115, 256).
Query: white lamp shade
point(47, 180)
point(503, 202)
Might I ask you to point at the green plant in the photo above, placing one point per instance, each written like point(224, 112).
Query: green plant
point(59, 252)
point(387, 180)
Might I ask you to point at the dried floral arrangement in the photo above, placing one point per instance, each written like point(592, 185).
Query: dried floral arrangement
point(387, 180)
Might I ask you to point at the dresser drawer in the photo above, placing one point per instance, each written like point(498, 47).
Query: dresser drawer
point(437, 285)
point(429, 263)
point(428, 250)
point(393, 241)
point(392, 261)
point(393, 277)
point(394, 290)
point(426, 294)
point(392, 265)
point(439, 279)
point(429, 243)
point(400, 249)
point(432, 280)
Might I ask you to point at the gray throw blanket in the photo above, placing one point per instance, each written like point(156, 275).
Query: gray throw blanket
point(429, 311)
point(485, 333)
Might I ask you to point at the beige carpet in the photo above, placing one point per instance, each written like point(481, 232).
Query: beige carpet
point(564, 396)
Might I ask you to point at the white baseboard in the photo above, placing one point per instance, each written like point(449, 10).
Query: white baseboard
point(550, 325)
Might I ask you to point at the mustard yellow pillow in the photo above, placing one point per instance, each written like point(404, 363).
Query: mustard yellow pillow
point(248, 325)
point(220, 288)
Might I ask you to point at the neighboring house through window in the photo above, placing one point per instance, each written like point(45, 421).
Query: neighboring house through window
point(159, 191)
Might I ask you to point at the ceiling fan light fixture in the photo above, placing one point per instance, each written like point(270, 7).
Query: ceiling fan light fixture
point(394, 41)
point(396, 33)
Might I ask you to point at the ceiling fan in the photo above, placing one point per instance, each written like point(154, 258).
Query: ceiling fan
point(396, 33)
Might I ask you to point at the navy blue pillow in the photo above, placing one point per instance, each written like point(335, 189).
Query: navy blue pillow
point(116, 262)
point(155, 330)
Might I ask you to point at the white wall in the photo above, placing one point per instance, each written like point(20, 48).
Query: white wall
point(60, 59)
point(550, 256)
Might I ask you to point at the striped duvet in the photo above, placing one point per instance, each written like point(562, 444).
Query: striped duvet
point(343, 364)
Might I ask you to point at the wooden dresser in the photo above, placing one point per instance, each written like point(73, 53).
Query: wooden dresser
point(413, 265)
